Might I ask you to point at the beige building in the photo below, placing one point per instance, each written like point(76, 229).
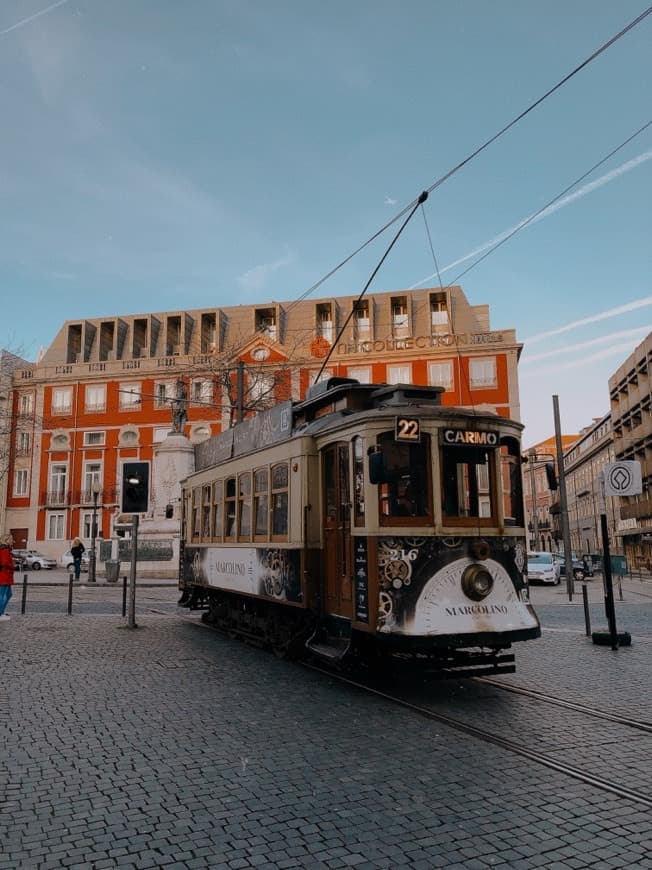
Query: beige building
point(630, 391)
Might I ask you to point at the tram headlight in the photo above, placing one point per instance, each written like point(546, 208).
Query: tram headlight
point(477, 582)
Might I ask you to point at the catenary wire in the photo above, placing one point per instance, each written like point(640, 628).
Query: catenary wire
point(636, 21)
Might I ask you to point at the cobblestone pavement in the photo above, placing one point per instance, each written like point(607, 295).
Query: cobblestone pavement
point(171, 746)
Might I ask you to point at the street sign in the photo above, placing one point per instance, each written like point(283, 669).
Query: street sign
point(623, 478)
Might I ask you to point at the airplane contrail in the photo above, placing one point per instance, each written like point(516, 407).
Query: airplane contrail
point(604, 315)
point(623, 350)
point(641, 331)
point(566, 200)
point(33, 17)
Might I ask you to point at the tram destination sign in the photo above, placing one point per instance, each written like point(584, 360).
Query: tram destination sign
point(469, 438)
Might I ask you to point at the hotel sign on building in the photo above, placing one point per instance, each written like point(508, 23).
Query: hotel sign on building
point(105, 390)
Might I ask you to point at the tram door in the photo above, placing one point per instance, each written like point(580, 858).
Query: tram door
point(337, 530)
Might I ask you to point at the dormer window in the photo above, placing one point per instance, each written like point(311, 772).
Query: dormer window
point(266, 322)
point(361, 321)
point(439, 312)
point(325, 321)
point(400, 321)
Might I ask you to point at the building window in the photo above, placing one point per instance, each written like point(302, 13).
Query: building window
point(23, 443)
point(260, 386)
point(482, 373)
point(58, 483)
point(266, 322)
point(325, 321)
point(201, 392)
point(360, 373)
point(56, 527)
point(21, 481)
point(164, 393)
point(62, 400)
point(400, 324)
point(399, 374)
point(94, 439)
point(87, 525)
point(95, 397)
point(92, 474)
point(440, 374)
point(26, 404)
point(130, 396)
point(438, 311)
point(361, 321)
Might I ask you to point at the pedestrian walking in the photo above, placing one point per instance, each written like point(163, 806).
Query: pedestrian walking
point(77, 548)
point(6, 574)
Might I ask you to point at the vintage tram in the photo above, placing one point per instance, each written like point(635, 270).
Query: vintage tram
point(367, 521)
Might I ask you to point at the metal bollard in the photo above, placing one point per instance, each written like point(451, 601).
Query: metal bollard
point(70, 580)
point(620, 587)
point(587, 616)
point(124, 595)
point(23, 602)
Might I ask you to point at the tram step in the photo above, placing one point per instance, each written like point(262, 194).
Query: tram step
point(333, 650)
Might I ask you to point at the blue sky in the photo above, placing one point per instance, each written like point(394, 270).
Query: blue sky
point(161, 154)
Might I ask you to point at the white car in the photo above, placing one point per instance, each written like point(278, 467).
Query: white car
point(543, 568)
point(67, 561)
point(24, 559)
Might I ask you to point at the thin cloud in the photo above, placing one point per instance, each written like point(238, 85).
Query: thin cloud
point(256, 279)
point(33, 17)
point(390, 201)
point(640, 331)
point(604, 315)
point(531, 219)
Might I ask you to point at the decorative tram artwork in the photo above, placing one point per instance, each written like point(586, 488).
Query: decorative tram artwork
point(367, 521)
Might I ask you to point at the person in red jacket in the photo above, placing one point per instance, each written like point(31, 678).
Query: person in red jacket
point(6, 574)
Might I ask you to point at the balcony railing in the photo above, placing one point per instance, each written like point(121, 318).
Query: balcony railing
point(56, 498)
point(95, 407)
point(106, 496)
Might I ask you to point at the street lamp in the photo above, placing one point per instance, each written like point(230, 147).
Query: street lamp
point(96, 489)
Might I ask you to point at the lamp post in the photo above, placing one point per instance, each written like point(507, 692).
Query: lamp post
point(92, 561)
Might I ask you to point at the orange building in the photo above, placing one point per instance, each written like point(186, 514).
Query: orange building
point(104, 391)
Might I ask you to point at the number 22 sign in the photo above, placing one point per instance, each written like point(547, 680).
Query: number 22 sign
point(407, 429)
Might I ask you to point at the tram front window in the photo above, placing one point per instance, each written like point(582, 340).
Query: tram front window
point(466, 481)
point(405, 492)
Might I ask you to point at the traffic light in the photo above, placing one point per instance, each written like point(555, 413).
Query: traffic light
point(135, 488)
point(550, 474)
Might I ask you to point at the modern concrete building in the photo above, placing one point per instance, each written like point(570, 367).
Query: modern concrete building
point(630, 391)
point(103, 393)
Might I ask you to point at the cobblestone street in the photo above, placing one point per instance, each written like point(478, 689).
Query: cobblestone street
point(170, 745)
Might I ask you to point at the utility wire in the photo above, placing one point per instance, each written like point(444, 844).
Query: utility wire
point(480, 149)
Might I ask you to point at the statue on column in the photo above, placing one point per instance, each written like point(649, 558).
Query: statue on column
point(179, 412)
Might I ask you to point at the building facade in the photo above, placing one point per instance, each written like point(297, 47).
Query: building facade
point(541, 502)
point(583, 465)
point(105, 391)
point(630, 391)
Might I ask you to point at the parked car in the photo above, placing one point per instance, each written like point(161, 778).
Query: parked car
point(542, 568)
point(67, 561)
point(580, 570)
point(25, 559)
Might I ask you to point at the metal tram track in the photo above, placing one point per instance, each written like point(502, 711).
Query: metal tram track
point(494, 739)
point(569, 705)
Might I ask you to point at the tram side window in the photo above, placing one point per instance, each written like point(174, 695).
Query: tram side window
point(280, 501)
point(406, 489)
point(358, 477)
point(261, 504)
point(206, 513)
point(218, 509)
point(244, 507)
point(467, 484)
point(230, 509)
point(512, 482)
point(196, 513)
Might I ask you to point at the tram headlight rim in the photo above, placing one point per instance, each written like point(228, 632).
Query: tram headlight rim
point(477, 581)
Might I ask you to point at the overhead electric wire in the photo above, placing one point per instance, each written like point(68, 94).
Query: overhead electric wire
point(480, 149)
